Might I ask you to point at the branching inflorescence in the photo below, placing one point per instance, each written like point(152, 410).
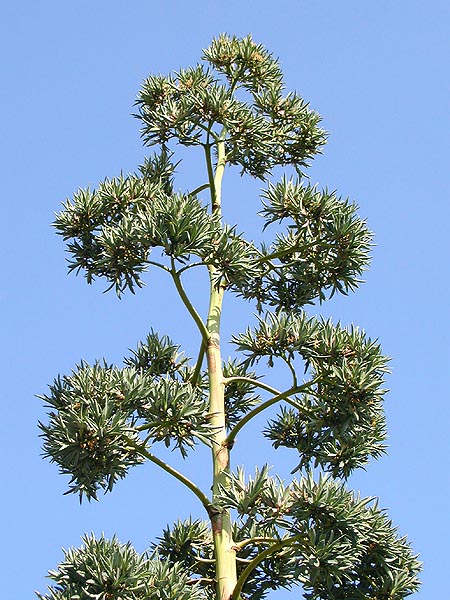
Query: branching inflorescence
point(259, 534)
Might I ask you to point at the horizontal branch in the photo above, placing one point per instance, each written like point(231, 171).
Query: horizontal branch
point(255, 541)
point(279, 254)
point(243, 560)
point(199, 263)
point(254, 382)
point(206, 580)
point(207, 561)
point(157, 264)
point(294, 250)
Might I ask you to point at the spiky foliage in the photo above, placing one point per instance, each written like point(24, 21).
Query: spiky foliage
point(338, 422)
point(335, 543)
point(101, 416)
point(108, 570)
point(261, 534)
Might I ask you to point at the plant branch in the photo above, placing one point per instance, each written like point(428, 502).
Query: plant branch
point(200, 580)
point(207, 561)
point(169, 469)
point(291, 368)
point(255, 382)
point(208, 130)
point(210, 170)
point(253, 540)
point(258, 559)
point(243, 560)
point(280, 396)
point(198, 364)
point(265, 259)
point(157, 264)
point(194, 314)
point(199, 189)
point(317, 245)
point(199, 263)
point(279, 254)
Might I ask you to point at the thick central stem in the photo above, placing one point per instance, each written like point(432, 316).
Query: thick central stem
point(225, 554)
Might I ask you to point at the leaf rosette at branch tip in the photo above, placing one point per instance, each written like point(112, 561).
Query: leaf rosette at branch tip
point(325, 250)
point(91, 433)
point(190, 544)
point(158, 355)
point(235, 260)
point(195, 108)
point(242, 60)
point(175, 412)
point(339, 421)
point(98, 413)
point(115, 227)
point(279, 130)
point(105, 569)
point(103, 225)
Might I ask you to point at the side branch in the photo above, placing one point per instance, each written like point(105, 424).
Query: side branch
point(159, 265)
point(292, 370)
point(182, 478)
point(199, 189)
point(279, 254)
point(255, 382)
point(254, 541)
point(198, 364)
point(184, 297)
point(199, 263)
point(279, 396)
point(210, 170)
point(292, 250)
point(258, 559)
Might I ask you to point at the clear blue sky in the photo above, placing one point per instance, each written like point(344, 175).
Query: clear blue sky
point(378, 72)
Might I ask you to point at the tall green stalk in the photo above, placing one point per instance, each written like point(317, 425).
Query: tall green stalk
point(103, 420)
point(224, 552)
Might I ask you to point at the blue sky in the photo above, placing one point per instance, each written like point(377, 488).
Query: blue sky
point(378, 72)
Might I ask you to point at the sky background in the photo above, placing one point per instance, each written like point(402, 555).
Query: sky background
point(378, 73)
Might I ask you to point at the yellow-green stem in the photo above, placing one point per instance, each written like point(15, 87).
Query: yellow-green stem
point(225, 553)
point(224, 549)
point(220, 168)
